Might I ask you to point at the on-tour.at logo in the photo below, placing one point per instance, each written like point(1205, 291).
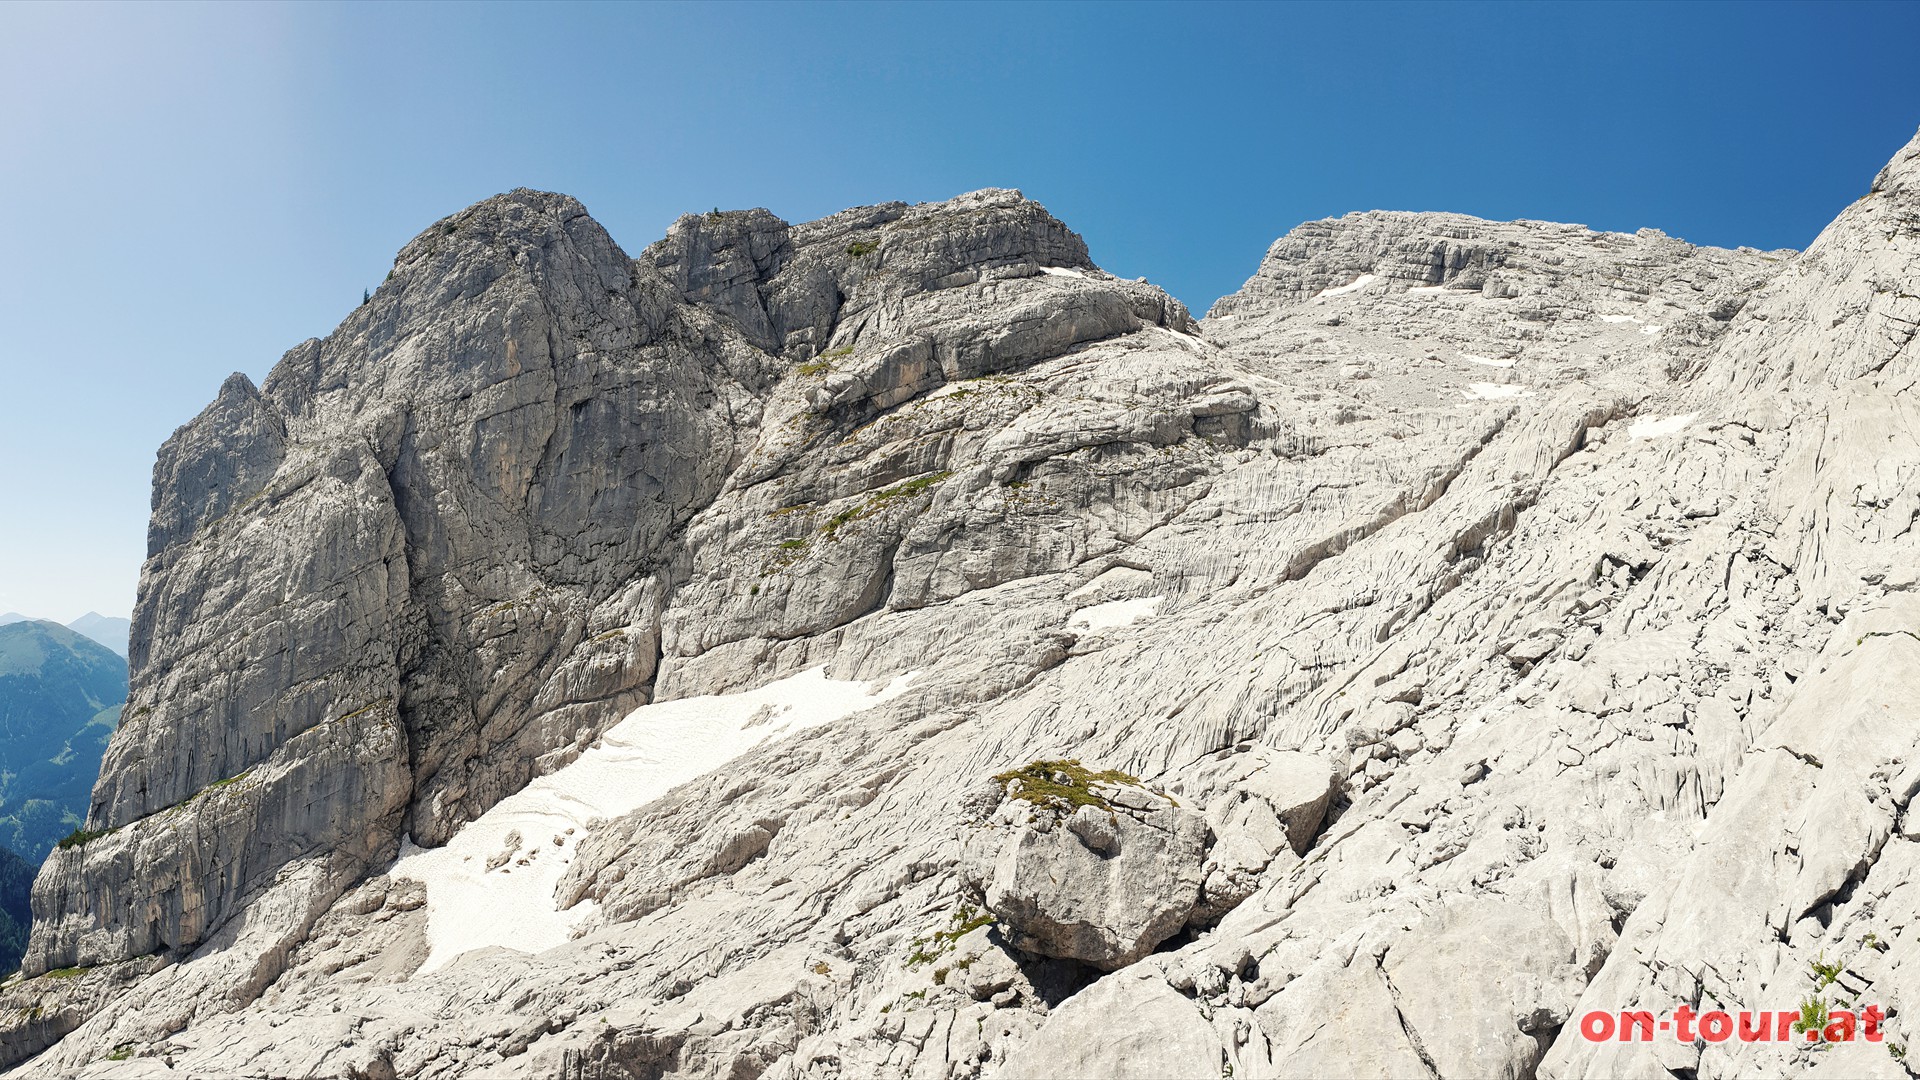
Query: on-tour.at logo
point(1814, 1024)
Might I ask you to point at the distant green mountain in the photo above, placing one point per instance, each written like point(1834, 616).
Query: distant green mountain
point(16, 884)
point(60, 698)
point(104, 629)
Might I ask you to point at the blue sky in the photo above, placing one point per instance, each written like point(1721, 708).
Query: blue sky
point(189, 190)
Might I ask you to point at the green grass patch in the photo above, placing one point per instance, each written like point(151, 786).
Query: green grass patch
point(217, 784)
point(66, 973)
point(368, 707)
point(1813, 1015)
point(1062, 784)
point(964, 920)
point(863, 247)
point(881, 500)
point(825, 361)
point(82, 837)
point(1825, 974)
point(792, 545)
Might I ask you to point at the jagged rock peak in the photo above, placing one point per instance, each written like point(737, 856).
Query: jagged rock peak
point(1902, 174)
point(784, 285)
point(433, 555)
point(522, 215)
point(1844, 315)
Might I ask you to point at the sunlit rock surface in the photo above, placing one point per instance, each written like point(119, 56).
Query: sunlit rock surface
point(1579, 566)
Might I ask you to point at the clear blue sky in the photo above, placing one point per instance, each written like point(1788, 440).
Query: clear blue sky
point(188, 191)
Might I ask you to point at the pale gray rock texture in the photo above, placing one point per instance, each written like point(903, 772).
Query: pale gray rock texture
point(1102, 883)
point(1518, 620)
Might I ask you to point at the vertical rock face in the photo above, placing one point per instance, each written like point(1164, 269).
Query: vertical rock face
point(1582, 561)
point(384, 586)
point(429, 557)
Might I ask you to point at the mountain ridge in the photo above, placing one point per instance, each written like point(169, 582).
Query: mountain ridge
point(1456, 540)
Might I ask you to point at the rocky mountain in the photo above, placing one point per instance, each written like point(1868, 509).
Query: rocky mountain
point(892, 646)
point(16, 913)
point(108, 631)
point(60, 697)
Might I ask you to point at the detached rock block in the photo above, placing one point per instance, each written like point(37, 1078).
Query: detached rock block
point(1086, 866)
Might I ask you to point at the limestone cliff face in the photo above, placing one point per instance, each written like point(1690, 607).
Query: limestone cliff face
point(1583, 562)
point(430, 556)
point(383, 586)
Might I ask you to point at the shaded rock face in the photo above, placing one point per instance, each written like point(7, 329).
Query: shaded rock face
point(1582, 562)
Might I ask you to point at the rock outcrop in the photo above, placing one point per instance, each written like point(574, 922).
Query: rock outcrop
point(1088, 866)
point(1521, 618)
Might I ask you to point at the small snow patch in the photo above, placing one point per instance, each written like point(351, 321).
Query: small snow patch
point(1653, 429)
point(1061, 271)
point(1486, 391)
point(1428, 290)
point(1355, 285)
point(1114, 613)
point(493, 883)
point(1650, 330)
point(1618, 318)
point(1487, 361)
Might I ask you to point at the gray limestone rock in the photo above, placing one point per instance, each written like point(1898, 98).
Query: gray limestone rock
point(1571, 571)
point(1125, 1027)
point(1103, 882)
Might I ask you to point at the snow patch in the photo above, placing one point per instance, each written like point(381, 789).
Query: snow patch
point(493, 883)
point(1650, 330)
point(1652, 429)
point(1618, 318)
point(1488, 361)
point(1429, 290)
point(1486, 391)
point(1355, 285)
point(1061, 271)
point(1114, 613)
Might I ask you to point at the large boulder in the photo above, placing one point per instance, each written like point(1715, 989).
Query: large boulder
point(1087, 866)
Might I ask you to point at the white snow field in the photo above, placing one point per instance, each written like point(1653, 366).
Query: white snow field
point(529, 837)
point(1486, 361)
point(1061, 271)
point(1650, 428)
point(1618, 318)
point(1355, 285)
point(1114, 613)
